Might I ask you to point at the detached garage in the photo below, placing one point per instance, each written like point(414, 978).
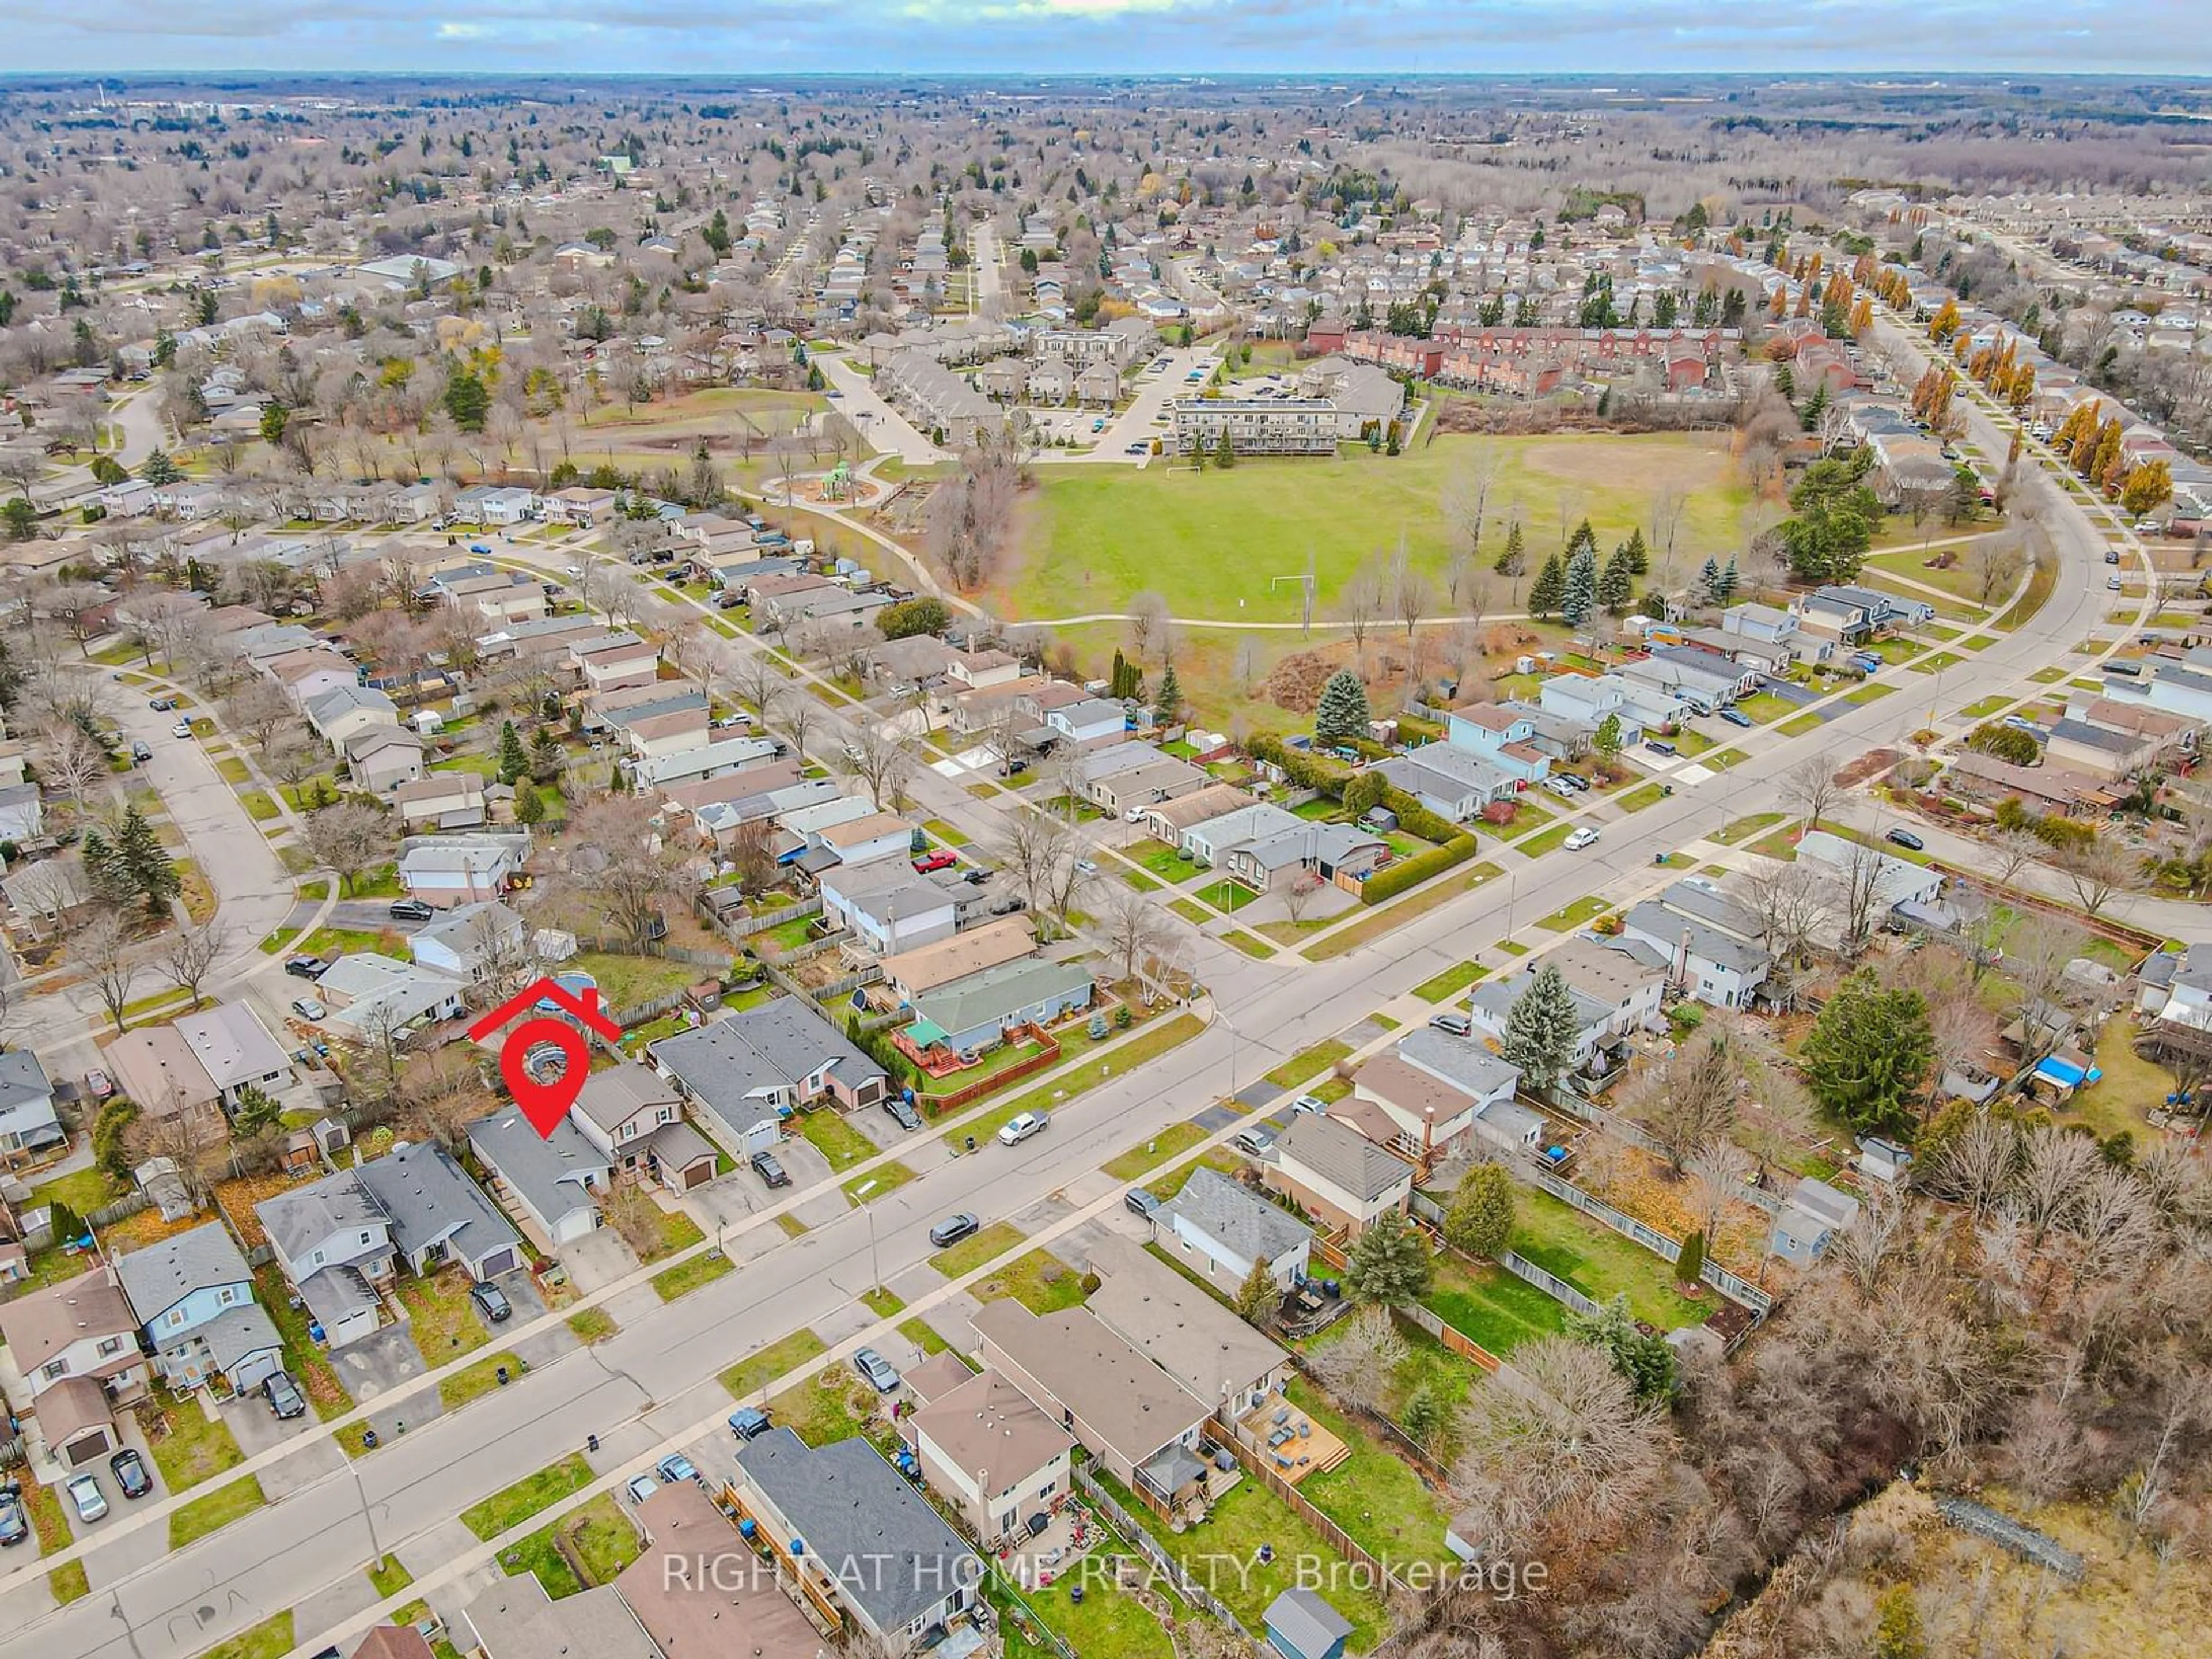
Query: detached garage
point(77, 1422)
point(551, 1184)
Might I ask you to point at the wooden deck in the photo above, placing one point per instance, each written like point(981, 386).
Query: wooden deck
point(1311, 1449)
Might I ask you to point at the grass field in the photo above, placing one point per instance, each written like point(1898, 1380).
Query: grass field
point(750, 1375)
point(217, 1509)
point(533, 1492)
point(1211, 544)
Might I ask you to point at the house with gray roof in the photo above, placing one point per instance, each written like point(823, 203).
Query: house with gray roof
point(439, 1215)
point(864, 1538)
point(1337, 1175)
point(27, 1119)
point(1269, 863)
point(235, 1049)
point(764, 1063)
point(1689, 930)
point(193, 1296)
point(974, 1013)
point(1450, 782)
point(635, 1116)
point(1187, 1331)
point(556, 1181)
point(340, 713)
point(333, 1240)
point(515, 1618)
point(1218, 1227)
point(469, 941)
point(452, 870)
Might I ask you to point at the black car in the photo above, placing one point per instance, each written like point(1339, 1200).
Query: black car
point(307, 966)
point(131, 1474)
point(903, 1115)
point(974, 877)
point(766, 1167)
point(953, 1229)
point(1013, 769)
point(163, 705)
point(411, 909)
point(750, 1422)
point(1139, 1201)
point(492, 1300)
point(14, 1529)
point(1907, 840)
point(283, 1395)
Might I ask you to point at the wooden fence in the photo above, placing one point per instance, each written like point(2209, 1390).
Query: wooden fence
point(1249, 1452)
point(1145, 1545)
point(108, 1214)
point(1454, 1339)
point(1047, 1056)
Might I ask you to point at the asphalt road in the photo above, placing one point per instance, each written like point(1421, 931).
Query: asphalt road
point(884, 427)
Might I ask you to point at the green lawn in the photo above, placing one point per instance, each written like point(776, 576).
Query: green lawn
point(1600, 1262)
point(1165, 862)
point(1490, 1305)
point(1111, 532)
point(1643, 795)
point(592, 1325)
point(1039, 1281)
point(475, 1381)
point(217, 1509)
point(1570, 916)
point(835, 1140)
point(1798, 726)
point(533, 1492)
point(445, 1325)
point(197, 1447)
point(923, 1335)
point(1307, 1061)
point(71, 1582)
point(1105, 1623)
point(270, 1639)
point(1176, 1139)
point(688, 1276)
point(1763, 706)
point(1544, 840)
point(1155, 1039)
point(880, 1180)
point(598, 1536)
point(1744, 828)
point(389, 1578)
point(625, 982)
point(756, 1371)
point(1373, 1494)
point(1227, 896)
point(971, 1253)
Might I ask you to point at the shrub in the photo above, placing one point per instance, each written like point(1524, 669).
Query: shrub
point(1416, 819)
point(1393, 879)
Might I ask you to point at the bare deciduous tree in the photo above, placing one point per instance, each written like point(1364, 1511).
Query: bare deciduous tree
point(111, 960)
point(1132, 929)
point(1811, 788)
point(882, 756)
point(190, 956)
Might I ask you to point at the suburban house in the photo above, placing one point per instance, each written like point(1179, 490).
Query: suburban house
point(1130, 775)
point(1706, 942)
point(348, 710)
point(1138, 1422)
point(27, 1119)
point(889, 907)
point(555, 1180)
point(2177, 986)
point(306, 675)
point(470, 941)
point(76, 1345)
point(1450, 782)
point(1188, 1332)
point(333, 1240)
point(860, 1538)
point(156, 1069)
point(765, 1060)
point(1209, 841)
point(1699, 680)
point(1501, 736)
point(973, 1014)
point(1473, 1070)
point(515, 1618)
point(990, 1450)
point(381, 759)
point(1896, 881)
point(1169, 820)
point(1336, 1175)
point(441, 800)
point(1615, 995)
point(1765, 635)
point(1809, 1220)
point(634, 1117)
point(1218, 1228)
point(235, 1050)
point(874, 838)
point(371, 996)
point(1416, 1111)
point(455, 870)
point(193, 1296)
point(1335, 852)
point(439, 1215)
point(707, 759)
point(698, 1589)
point(911, 974)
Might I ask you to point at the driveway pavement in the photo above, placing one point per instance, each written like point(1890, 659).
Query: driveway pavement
point(257, 1428)
point(884, 427)
point(379, 1363)
point(599, 1258)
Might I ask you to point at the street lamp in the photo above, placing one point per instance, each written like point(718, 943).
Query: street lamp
point(875, 1264)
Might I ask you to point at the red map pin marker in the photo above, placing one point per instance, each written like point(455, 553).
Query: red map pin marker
point(545, 1104)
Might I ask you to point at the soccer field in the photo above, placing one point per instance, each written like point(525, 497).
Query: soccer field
point(1210, 543)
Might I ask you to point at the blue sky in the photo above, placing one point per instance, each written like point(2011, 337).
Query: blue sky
point(1316, 37)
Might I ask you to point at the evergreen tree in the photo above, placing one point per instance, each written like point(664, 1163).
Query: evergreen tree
point(1342, 713)
point(1225, 453)
point(1117, 677)
point(1540, 1032)
point(1545, 592)
point(1584, 540)
point(1579, 597)
point(1480, 1219)
point(529, 804)
point(158, 469)
point(467, 401)
point(1607, 739)
point(1167, 701)
point(545, 755)
point(1724, 588)
point(103, 870)
point(1868, 1054)
point(1616, 584)
point(1388, 1265)
point(1706, 588)
point(512, 762)
point(1691, 1263)
point(1258, 1294)
point(1424, 1415)
point(1646, 1362)
point(152, 873)
point(1513, 561)
point(1637, 553)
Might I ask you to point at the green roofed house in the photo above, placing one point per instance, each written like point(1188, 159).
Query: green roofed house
point(974, 1013)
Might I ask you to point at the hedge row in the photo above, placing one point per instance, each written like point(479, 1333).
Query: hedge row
point(1394, 880)
point(1307, 771)
point(1416, 819)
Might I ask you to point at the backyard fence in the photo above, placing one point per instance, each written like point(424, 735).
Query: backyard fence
point(108, 1214)
point(1407, 1446)
point(1430, 1322)
point(1252, 1453)
point(1147, 1545)
point(1727, 1284)
point(625, 946)
point(1033, 1628)
point(1635, 1135)
point(1047, 1056)
point(637, 1013)
point(1548, 1282)
point(742, 925)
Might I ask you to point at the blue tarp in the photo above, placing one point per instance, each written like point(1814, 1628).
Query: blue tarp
point(2065, 1074)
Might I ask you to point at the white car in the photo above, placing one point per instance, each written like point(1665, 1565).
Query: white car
point(181, 729)
point(1580, 838)
point(86, 1497)
point(308, 1009)
point(1021, 1127)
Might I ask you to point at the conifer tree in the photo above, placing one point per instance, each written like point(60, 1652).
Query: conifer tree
point(512, 762)
point(1616, 586)
point(1342, 713)
point(1578, 597)
point(1542, 1030)
point(1549, 587)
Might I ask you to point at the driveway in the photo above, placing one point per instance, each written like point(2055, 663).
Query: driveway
point(599, 1259)
point(521, 1292)
point(377, 1365)
point(257, 1428)
point(884, 427)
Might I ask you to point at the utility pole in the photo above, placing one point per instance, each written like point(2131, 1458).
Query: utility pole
point(875, 1263)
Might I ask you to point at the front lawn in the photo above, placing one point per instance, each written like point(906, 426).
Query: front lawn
point(444, 1324)
point(1570, 916)
point(1307, 1061)
point(756, 1371)
point(1039, 1281)
point(835, 1140)
point(1155, 1039)
point(196, 1448)
point(1643, 795)
point(971, 1253)
point(1226, 895)
point(1176, 1139)
point(217, 1509)
point(270, 1639)
point(518, 1503)
point(688, 1276)
point(597, 1536)
point(1443, 987)
point(476, 1380)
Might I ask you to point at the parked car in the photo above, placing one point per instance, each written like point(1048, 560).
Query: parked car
point(975, 878)
point(1309, 1106)
point(140, 754)
point(1737, 717)
point(411, 909)
point(2111, 556)
point(308, 1009)
point(1013, 769)
point(1139, 1201)
point(640, 1487)
point(880, 1373)
point(14, 1529)
point(479, 547)
point(306, 966)
point(1021, 1127)
point(750, 1422)
point(98, 1084)
point(2112, 584)
point(938, 858)
point(86, 1497)
point(1454, 1023)
point(1580, 838)
point(181, 729)
point(129, 1471)
point(1255, 1141)
point(283, 1395)
point(1575, 782)
point(163, 705)
point(1557, 787)
point(676, 1467)
point(1907, 840)
point(1659, 745)
point(902, 1114)
point(953, 1229)
point(766, 1166)
point(492, 1299)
